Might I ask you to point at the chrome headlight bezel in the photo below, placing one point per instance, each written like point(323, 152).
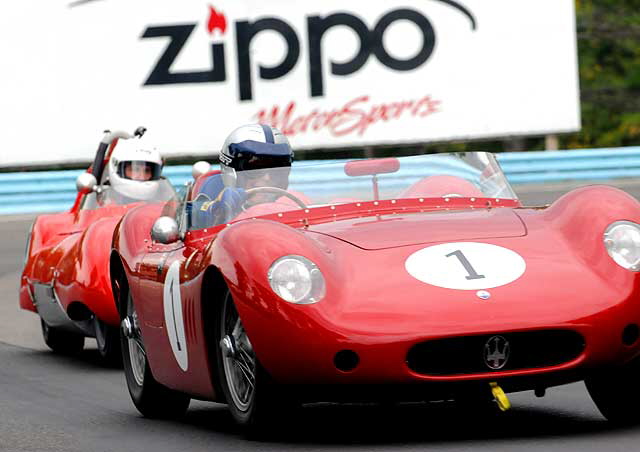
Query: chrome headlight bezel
point(628, 231)
point(310, 286)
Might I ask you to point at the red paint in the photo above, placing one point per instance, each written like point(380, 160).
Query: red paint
point(70, 251)
point(372, 305)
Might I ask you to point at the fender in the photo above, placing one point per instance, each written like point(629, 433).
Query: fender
point(581, 218)
point(83, 271)
point(235, 248)
point(131, 241)
point(49, 226)
point(245, 273)
point(132, 236)
point(40, 258)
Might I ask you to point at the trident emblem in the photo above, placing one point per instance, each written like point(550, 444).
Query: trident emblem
point(496, 352)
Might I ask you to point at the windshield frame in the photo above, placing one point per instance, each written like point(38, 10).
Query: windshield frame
point(475, 171)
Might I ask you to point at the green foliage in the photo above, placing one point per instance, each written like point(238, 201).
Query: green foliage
point(609, 56)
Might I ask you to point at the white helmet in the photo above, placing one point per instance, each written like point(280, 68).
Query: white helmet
point(134, 169)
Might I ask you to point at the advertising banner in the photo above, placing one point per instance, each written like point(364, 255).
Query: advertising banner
point(328, 74)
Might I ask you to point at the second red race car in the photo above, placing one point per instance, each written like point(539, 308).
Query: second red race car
point(416, 278)
point(66, 273)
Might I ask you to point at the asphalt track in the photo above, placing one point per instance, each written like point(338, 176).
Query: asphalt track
point(53, 403)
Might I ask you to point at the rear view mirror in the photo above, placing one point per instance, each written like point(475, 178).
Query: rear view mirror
point(372, 167)
point(86, 183)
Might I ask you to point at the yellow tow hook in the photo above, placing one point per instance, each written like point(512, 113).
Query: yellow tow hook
point(501, 398)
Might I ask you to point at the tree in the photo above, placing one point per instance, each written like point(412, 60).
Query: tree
point(609, 56)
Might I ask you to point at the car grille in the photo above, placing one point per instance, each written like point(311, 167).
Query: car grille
point(466, 355)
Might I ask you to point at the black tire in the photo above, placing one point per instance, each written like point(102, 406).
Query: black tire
point(616, 393)
point(262, 409)
point(151, 398)
point(61, 341)
point(108, 342)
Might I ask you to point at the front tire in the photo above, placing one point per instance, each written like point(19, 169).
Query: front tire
point(617, 393)
point(151, 398)
point(61, 341)
point(254, 400)
point(108, 342)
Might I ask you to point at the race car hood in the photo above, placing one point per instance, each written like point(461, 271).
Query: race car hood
point(381, 231)
point(436, 288)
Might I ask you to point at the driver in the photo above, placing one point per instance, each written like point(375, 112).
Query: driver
point(252, 156)
point(134, 171)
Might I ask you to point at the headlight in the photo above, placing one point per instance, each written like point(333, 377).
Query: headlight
point(622, 240)
point(297, 280)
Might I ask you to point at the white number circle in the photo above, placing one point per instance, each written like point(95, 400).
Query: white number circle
point(173, 316)
point(466, 265)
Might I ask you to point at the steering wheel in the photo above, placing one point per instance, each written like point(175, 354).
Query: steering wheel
point(277, 191)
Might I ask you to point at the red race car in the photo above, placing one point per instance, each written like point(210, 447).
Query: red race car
point(66, 273)
point(411, 279)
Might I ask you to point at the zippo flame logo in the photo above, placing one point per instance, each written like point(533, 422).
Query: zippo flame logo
point(217, 21)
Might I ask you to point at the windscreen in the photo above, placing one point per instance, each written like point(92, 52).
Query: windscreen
point(159, 190)
point(223, 198)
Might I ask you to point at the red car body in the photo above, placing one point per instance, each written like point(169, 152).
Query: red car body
point(68, 255)
point(66, 274)
point(570, 314)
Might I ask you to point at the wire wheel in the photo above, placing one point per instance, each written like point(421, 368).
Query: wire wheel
point(137, 354)
point(256, 402)
point(238, 358)
point(150, 397)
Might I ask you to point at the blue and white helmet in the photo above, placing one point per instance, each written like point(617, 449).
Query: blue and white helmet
point(255, 146)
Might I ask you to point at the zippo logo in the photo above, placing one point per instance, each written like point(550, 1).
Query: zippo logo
point(371, 43)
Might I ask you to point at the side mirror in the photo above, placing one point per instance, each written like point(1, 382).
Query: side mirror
point(200, 168)
point(86, 183)
point(165, 230)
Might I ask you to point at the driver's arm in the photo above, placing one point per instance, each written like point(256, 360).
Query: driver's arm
point(226, 206)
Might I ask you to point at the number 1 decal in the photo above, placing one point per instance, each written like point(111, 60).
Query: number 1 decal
point(466, 264)
point(174, 322)
point(173, 312)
